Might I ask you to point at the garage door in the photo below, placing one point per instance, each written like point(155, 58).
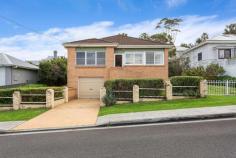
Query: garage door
point(90, 87)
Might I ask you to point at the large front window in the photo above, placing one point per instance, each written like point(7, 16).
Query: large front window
point(90, 58)
point(144, 58)
point(224, 53)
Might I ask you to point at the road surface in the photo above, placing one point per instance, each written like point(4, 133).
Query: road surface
point(208, 139)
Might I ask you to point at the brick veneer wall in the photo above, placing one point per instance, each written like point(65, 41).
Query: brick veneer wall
point(74, 72)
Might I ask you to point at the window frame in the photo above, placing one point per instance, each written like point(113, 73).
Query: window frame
point(144, 63)
point(91, 65)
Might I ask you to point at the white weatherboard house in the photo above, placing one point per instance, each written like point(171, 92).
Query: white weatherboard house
point(220, 49)
point(14, 71)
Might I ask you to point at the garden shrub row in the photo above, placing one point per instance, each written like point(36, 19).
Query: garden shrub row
point(186, 81)
point(42, 90)
point(127, 85)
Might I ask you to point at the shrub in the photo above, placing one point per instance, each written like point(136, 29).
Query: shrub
point(41, 90)
point(127, 84)
point(226, 77)
point(186, 81)
point(109, 99)
point(53, 72)
point(211, 72)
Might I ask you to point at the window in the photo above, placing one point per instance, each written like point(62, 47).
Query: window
point(80, 58)
point(134, 58)
point(144, 58)
point(100, 58)
point(199, 56)
point(118, 60)
point(224, 53)
point(149, 58)
point(90, 58)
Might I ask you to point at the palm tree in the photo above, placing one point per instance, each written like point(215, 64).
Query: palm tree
point(230, 29)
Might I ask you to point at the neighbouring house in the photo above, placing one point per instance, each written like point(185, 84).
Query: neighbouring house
point(93, 61)
point(218, 50)
point(14, 71)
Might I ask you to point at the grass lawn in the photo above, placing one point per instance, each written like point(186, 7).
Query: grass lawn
point(18, 115)
point(168, 105)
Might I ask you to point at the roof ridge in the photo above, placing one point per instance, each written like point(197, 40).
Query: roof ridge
point(6, 56)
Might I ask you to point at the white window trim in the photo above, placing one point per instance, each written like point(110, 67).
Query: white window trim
point(86, 58)
point(144, 58)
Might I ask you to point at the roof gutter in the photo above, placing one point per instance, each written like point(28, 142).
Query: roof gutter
point(145, 46)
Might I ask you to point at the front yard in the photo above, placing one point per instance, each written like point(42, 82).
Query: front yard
point(168, 105)
point(19, 115)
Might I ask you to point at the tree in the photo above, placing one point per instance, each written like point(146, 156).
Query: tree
point(170, 27)
point(53, 72)
point(144, 36)
point(203, 38)
point(123, 34)
point(178, 66)
point(190, 45)
point(230, 29)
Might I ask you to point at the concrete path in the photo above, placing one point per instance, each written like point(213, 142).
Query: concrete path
point(8, 125)
point(167, 115)
point(75, 113)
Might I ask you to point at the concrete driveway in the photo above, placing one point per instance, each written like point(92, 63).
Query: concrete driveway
point(82, 112)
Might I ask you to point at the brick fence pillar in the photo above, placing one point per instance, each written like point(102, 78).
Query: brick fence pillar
point(50, 98)
point(169, 95)
point(16, 100)
point(102, 94)
point(135, 93)
point(65, 94)
point(203, 88)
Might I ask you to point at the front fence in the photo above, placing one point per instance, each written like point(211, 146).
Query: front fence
point(221, 88)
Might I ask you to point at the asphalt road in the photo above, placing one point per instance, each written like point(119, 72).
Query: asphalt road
point(192, 140)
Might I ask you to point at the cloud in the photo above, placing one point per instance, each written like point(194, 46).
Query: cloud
point(33, 46)
point(175, 3)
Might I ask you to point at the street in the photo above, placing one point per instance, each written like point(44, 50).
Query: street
point(207, 139)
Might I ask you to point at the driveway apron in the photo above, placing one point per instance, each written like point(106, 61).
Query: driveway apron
point(82, 112)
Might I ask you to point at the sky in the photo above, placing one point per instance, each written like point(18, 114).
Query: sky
point(33, 29)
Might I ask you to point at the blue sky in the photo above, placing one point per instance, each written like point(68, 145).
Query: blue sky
point(48, 23)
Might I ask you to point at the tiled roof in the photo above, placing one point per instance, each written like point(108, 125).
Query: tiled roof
point(118, 39)
point(7, 60)
point(126, 40)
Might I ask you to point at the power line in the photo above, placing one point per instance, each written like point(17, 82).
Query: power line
point(17, 23)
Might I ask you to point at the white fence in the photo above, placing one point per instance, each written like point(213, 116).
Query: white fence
point(221, 88)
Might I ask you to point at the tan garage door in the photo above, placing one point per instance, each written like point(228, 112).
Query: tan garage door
point(90, 87)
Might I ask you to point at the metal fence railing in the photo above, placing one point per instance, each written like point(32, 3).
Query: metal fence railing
point(221, 88)
point(152, 92)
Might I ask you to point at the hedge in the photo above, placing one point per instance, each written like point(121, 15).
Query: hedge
point(186, 81)
point(42, 90)
point(127, 84)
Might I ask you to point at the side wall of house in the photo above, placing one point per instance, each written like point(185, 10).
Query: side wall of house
point(2, 76)
point(20, 75)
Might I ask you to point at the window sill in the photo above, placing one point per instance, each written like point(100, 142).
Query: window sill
point(92, 66)
point(143, 65)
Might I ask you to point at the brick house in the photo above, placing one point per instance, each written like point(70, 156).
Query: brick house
point(93, 61)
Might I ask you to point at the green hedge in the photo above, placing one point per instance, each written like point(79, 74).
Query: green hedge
point(41, 90)
point(186, 81)
point(127, 84)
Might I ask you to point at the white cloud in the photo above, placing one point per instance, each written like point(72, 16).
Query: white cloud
point(32, 46)
point(175, 3)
